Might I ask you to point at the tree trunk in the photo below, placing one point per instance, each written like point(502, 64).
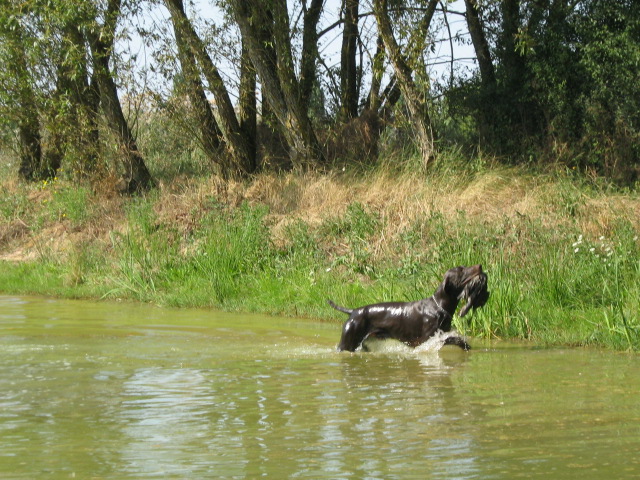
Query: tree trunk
point(512, 60)
point(30, 141)
point(136, 177)
point(418, 111)
point(374, 99)
point(487, 72)
point(238, 146)
point(29, 138)
point(521, 115)
point(247, 108)
point(480, 44)
point(279, 83)
point(309, 50)
point(348, 66)
point(72, 126)
point(209, 131)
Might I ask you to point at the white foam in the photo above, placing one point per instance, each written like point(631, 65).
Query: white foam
point(433, 344)
point(436, 342)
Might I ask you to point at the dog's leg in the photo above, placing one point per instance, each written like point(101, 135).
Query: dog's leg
point(460, 342)
point(353, 333)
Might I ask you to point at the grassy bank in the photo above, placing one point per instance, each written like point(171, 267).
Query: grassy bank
point(562, 253)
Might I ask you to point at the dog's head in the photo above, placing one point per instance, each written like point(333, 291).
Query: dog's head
point(471, 285)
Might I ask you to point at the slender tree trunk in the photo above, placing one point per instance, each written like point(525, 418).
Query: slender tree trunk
point(419, 35)
point(348, 66)
point(418, 111)
point(309, 50)
point(247, 108)
point(136, 177)
point(374, 99)
point(521, 108)
point(480, 44)
point(238, 146)
point(308, 149)
point(512, 60)
point(85, 106)
point(29, 138)
point(487, 121)
point(209, 131)
point(69, 125)
point(30, 141)
point(279, 83)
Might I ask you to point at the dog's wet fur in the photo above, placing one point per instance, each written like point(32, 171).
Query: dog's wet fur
point(415, 322)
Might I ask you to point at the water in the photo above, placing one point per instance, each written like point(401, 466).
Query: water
point(113, 390)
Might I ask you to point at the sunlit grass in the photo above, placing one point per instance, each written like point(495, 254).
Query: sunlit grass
point(562, 254)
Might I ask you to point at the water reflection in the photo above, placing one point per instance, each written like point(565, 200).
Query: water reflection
point(407, 407)
point(163, 415)
point(115, 393)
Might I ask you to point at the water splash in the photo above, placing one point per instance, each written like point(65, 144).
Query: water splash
point(432, 345)
point(437, 341)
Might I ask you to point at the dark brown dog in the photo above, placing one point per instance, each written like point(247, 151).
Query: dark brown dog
point(414, 322)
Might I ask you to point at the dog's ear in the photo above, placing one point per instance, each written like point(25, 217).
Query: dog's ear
point(476, 294)
point(451, 281)
point(464, 310)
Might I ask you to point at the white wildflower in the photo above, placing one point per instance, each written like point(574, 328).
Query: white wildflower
point(577, 242)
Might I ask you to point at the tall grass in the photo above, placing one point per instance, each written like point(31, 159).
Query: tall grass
point(563, 257)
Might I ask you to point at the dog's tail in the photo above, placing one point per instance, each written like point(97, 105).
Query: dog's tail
point(342, 309)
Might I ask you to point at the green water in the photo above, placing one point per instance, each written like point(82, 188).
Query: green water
point(112, 390)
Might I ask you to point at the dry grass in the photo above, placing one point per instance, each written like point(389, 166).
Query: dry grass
point(398, 200)
point(402, 200)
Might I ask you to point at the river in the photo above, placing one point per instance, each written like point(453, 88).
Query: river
point(123, 391)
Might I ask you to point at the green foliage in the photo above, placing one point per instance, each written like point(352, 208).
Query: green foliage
point(566, 86)
point(69, 203)
point(356, 228)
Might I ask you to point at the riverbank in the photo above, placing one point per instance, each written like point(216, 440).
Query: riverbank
point(562, 251)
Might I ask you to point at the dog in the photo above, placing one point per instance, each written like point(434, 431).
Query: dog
point(415, 322)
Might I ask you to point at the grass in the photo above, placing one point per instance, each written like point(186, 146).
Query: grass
point(562, 251)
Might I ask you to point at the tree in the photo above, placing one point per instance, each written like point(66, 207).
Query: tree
point(17, 98)
point(265, 29)
point(209, 131)
point(238, 146)
point(135, 177)
point(309, 47)
point(559, 78)
point(60, 75)
point(415, 101)
point(348, 64)
point(487, 69)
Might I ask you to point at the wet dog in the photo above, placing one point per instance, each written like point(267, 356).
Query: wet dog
point(414, 322)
